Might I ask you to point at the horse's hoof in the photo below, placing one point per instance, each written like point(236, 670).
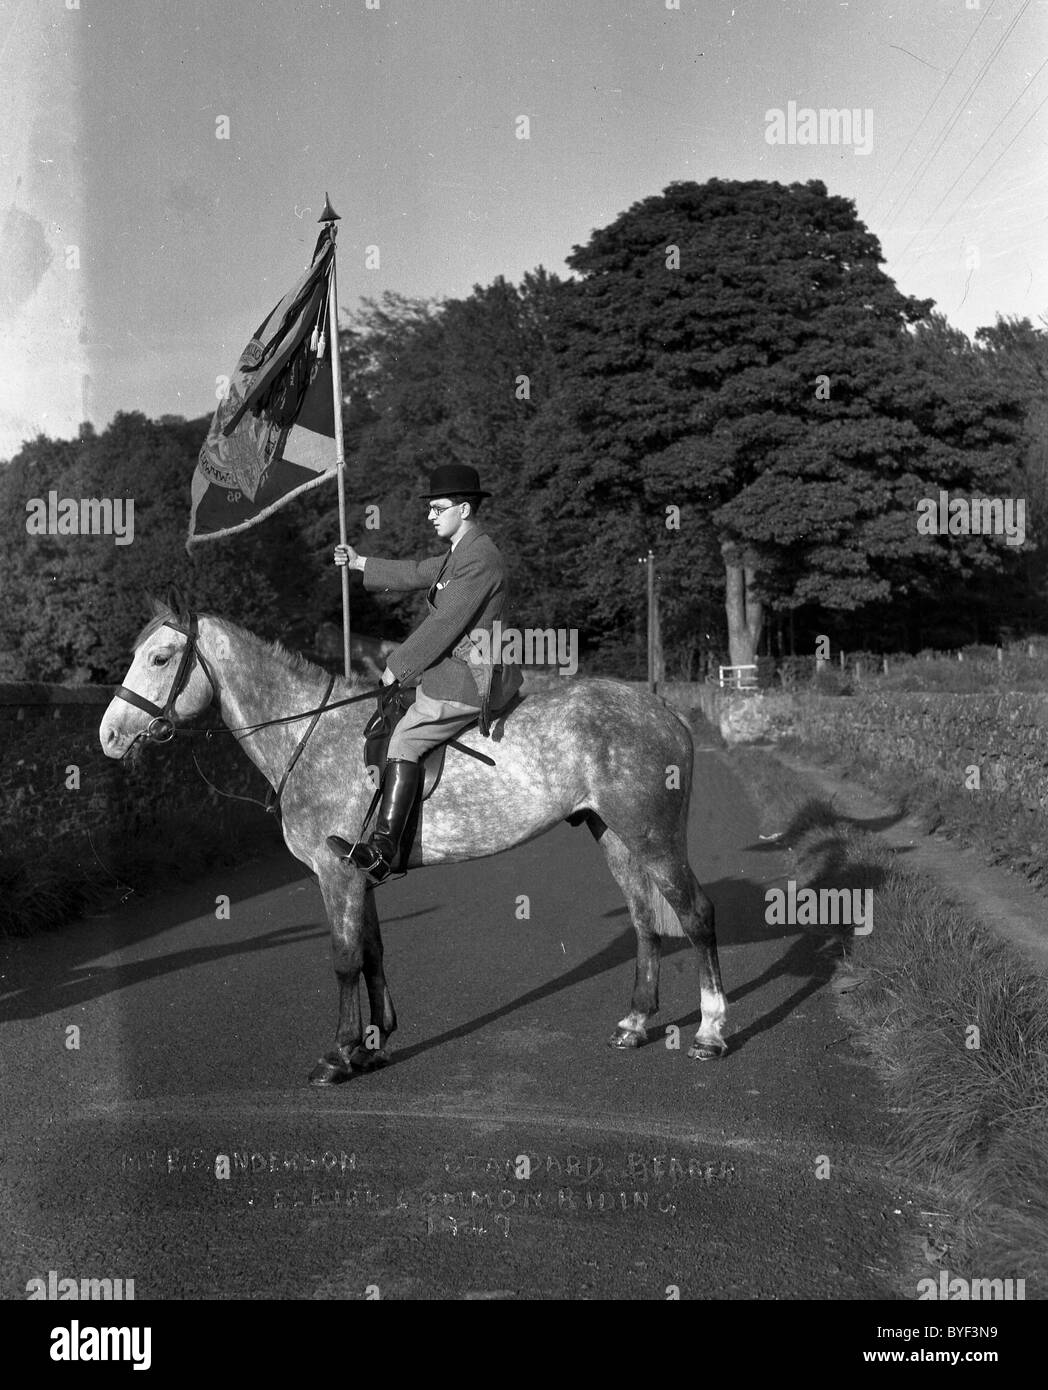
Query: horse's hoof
point(369, 1059)
point(707, 1051)
point(627, 1037)
point(329, 1071)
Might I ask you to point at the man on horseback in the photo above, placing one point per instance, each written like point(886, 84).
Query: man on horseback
point(461, 674)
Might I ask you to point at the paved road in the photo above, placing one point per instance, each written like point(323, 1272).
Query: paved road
point(644, 1171)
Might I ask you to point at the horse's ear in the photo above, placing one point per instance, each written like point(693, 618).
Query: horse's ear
point(176, 603)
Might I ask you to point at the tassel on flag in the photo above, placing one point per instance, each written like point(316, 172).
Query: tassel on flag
point(274, 434)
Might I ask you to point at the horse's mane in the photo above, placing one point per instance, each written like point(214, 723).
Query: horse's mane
point(293, 662)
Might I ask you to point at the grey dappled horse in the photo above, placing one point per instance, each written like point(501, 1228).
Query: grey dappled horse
point(593, 750)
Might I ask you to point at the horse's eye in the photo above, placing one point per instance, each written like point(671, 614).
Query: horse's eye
point(160, 660)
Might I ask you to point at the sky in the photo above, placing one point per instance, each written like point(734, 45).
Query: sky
point(139, 249)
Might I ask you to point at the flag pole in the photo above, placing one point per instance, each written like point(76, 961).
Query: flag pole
point(330, 216)
point(651, 621)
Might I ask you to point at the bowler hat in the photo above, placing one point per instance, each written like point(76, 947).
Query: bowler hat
point(452, 478)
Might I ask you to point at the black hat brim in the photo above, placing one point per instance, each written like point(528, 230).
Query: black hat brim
point(425, 496)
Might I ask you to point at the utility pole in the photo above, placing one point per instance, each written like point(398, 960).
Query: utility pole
point(650, 562)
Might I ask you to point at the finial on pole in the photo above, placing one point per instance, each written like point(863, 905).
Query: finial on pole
point(329, 214)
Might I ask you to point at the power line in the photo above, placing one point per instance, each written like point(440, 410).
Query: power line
point(955, 115)
point(971, 161)
point(913, 183)
point(985, 176)
point(920, 124)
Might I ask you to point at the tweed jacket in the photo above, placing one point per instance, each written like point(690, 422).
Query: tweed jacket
point(466, 593)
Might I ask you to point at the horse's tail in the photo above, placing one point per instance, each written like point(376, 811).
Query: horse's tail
point(633, 850)
point(667, 923)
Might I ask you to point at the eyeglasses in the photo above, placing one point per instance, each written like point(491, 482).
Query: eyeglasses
point(439, 511)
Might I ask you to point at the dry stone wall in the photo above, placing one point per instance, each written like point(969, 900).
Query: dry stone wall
point(59, 791)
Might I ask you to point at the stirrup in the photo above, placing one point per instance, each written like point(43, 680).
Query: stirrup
point(366, 857)
point(375, 868)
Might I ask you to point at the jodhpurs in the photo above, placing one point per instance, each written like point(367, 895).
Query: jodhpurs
point(427, 723)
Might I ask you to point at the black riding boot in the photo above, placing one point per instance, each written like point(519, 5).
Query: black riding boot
point(399, 785)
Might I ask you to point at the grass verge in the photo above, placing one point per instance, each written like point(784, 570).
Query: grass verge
point(1006, 831)
point(956, 1023)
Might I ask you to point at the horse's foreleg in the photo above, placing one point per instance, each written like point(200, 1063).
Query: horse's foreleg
point(375, 1049)
point(344, 899)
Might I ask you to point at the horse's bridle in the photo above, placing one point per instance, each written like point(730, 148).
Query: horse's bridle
point(161, 728)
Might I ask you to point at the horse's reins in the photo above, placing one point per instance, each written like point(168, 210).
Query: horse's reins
point(161, 728)
point(164, 716)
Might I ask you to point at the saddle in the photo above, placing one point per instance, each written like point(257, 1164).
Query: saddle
point(393, 703)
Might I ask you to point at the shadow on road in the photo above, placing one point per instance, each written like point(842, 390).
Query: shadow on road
point(740, 919)
point(85, 982)
point(60, 979)
point(77, 984)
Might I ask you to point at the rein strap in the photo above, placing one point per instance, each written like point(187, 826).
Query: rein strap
point(273, 797)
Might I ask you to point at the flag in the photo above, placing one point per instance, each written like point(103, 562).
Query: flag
point(273, 434)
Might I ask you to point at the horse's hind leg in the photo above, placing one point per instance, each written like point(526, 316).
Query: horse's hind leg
point(694, 911)
point(652, 884)
point(344, 899)
point(374, 1051)
point(631, 1031)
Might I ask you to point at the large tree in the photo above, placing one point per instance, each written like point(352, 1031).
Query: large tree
point(735, 351)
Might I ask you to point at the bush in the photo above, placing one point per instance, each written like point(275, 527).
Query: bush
point(38, 893)
point(830, 681)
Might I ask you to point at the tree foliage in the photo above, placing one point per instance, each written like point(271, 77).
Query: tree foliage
point(730, 379)
point(736, 350)
point(72, 604)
